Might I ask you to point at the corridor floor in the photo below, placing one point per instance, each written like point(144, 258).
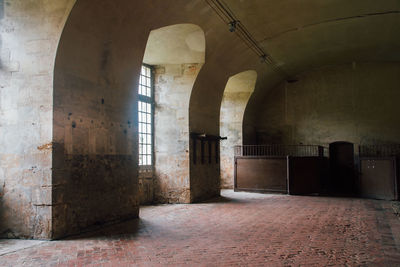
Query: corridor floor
point(238, 229)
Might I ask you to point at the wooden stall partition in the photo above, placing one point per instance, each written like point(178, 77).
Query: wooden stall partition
point(379, 178)
point(261, 174)
point(306, 175)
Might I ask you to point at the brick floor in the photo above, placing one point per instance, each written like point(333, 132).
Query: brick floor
point(239, 229)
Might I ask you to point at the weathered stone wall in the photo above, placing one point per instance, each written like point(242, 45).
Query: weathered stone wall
point(205, 102)
point(232, 109)
point(170, 181)
point(57, 180)
point(236, 95)
point(29, 34)
point(173, 86)
point(95, 174)
point(94, 158)
point(356, 102)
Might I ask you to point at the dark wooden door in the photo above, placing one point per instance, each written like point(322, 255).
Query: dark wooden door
point(342, 173)
point(378, 178)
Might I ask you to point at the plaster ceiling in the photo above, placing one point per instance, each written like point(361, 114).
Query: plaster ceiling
point(243, 82)
point(304, 34)
point(175, 44)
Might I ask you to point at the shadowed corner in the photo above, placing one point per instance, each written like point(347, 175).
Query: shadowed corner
point(225, 199)
point(129, 228)
point(5, 232)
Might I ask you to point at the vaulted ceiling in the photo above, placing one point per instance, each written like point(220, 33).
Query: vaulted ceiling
point(303, 34)
point(297, 34)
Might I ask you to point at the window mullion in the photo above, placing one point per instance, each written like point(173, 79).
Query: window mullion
point(146, 117)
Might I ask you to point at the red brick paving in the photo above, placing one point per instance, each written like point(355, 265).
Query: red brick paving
point(240, 229)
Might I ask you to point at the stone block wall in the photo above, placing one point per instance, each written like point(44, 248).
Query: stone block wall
point(237, 93)
point(173, 84)
point(355, 102)
point(95, 174)
point(68, 111)
point(232, 110)
point(29, 35)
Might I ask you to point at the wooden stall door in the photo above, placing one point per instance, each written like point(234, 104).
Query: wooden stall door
point(378, 178)
point(341, 158)
point(306, 175)
point(261, 174)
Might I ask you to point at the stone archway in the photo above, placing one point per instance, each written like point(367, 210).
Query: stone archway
point(237, 93)
point(176, 54)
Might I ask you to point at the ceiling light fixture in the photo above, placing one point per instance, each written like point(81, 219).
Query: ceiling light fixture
point(263, 58)
point(226, 15)
point(232, 25)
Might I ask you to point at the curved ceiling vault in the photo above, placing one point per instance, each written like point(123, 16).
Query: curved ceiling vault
point(175, 44)
point(243, 82)
point(300, 35)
